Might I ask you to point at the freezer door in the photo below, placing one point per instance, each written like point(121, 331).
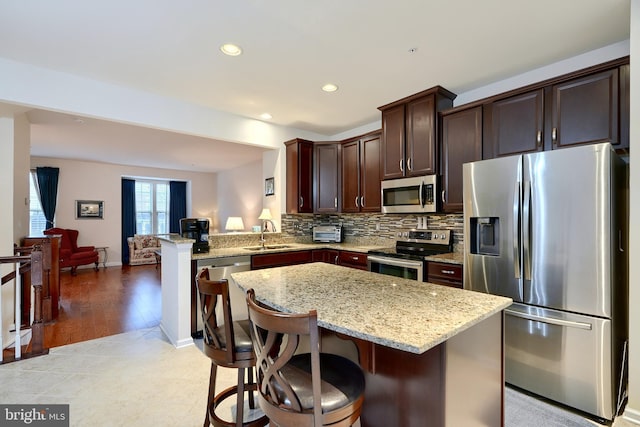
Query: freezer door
point(564, 357)
point(567, 237)
point(492, 205)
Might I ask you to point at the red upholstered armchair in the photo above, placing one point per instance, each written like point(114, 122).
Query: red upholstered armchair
point(70, 254)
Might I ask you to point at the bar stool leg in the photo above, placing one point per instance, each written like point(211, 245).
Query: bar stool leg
point(240, 398)
point(212, 393)
point(252, 402)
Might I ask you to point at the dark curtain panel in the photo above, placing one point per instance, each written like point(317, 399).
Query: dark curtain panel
point(177, 204)
point(48, 188)
point(128, 215)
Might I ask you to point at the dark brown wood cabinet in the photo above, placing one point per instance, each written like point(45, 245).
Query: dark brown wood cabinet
point(409, 133)
point(461, 143)
point(326, 183)
point(588, 106)
point(299, 186)
point(279, 259)
point(585, 110)
point(446, 274)
point(515, 124)
point(361, 174)
point(330, 256)
point(353, 259)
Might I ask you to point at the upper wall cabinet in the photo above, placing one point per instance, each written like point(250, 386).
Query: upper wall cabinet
point(461, 143)
point(361, 174)
point(299, 154)
point(326, 187)
point(409, 133)
point(586, 107)
point(585, 110)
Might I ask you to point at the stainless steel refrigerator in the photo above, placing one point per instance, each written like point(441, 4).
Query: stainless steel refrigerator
point(548, 230)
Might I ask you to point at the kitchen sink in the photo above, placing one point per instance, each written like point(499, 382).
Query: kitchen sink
point(261, 248)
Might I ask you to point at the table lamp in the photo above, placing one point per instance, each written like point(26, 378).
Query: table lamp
point(234, 223)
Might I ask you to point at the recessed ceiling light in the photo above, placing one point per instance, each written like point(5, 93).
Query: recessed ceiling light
point(329, 87)
point(266, 116)
point(231, 49)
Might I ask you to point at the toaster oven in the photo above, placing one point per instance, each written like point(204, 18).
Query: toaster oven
point(327, 233)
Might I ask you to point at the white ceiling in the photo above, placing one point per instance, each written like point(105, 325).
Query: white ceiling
point(291, 48)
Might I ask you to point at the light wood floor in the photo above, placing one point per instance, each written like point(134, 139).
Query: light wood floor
point(110, 301)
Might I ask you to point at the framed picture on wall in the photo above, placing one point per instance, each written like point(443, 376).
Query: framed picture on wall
point(268, 187)
point(89, 209)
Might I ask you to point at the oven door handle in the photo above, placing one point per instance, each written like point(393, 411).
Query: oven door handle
point(394, 262)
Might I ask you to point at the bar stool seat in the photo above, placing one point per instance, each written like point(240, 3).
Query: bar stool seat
point(311, 389)
point(227, 344)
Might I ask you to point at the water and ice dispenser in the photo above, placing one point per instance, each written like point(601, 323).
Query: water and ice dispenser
point(485, 235)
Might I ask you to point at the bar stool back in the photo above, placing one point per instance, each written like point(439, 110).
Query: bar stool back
point(301, 389)
point(227, 344)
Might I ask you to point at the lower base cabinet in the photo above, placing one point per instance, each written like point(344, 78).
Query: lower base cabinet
point(446, 274)
point(280, 259)
point(353, 259)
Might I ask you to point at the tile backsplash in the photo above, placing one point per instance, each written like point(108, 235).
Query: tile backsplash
point(372, 228)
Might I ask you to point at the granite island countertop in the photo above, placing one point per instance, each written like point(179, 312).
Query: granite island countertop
point(398, 313)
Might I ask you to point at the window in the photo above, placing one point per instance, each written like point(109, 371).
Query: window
point(37, 221)
point(152, 207)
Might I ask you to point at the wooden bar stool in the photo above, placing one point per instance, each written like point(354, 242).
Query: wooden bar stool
point(227, 344)
point(307, 389)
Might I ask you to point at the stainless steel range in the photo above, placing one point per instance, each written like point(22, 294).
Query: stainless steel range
point(407, 258)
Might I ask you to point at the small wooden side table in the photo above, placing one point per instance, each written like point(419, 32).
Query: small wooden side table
point(105, 255)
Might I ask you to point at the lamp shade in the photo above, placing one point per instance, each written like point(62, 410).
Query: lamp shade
point(234, 223)
point(265, 214)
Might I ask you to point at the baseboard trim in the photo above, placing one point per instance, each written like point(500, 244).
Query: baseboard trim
point(631, 415)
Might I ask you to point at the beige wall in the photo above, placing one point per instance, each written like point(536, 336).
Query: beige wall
point(240, 193)
point(80, 180)
point(633, 406)
point(22, 146)
point(6, 213)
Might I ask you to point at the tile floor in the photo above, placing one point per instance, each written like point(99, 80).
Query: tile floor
point(132, 379)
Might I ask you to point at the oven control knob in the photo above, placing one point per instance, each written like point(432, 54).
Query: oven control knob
point(442, 236)
point(435, 237)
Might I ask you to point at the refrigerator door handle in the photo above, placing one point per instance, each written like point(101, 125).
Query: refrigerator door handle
point(526, 230)
point(516, 234)
point(549, 320)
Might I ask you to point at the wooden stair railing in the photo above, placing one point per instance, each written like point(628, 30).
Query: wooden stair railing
point(33, 263)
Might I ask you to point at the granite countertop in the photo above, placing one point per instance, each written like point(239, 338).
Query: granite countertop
point(450, 258)
point(285, 247)
point(399, 313)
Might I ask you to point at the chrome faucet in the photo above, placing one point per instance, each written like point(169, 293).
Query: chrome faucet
point(264, 227)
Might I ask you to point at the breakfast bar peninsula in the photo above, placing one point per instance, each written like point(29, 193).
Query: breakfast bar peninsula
point(432, 355)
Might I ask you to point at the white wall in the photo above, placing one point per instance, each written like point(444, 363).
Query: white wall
point(80, 180)
point(632, 411)
point(240, 193)
point(6, 213)
point(22, 145)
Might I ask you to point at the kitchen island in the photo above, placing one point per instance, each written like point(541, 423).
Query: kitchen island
point(432, 355)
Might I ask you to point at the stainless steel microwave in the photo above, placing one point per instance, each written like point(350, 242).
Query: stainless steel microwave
point(410, 195)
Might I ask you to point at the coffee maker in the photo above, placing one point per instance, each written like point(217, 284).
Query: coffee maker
point(198, 230)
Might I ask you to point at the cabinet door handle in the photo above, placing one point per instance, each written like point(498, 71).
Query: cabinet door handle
point(335, 202)
point(401, 165)
point(362, 201)
point(356, 202)
point(554, 135)
point(335, 261)
point(443, 199)
point(409, 164)
point(539, 138)
point(447, 272)
point(301, 201)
